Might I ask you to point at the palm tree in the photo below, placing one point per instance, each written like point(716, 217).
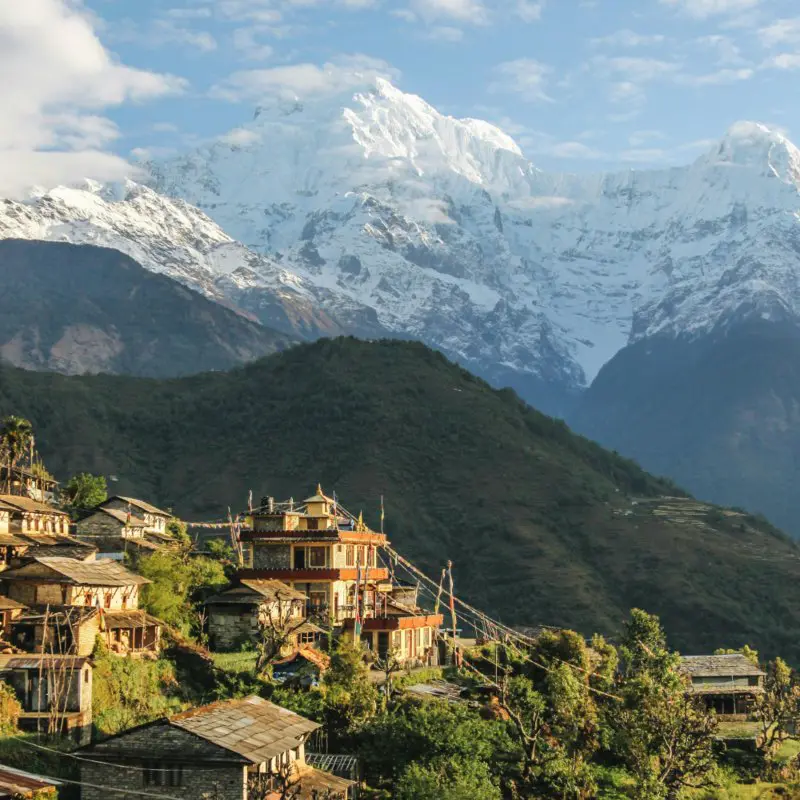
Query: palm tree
point(16, 437)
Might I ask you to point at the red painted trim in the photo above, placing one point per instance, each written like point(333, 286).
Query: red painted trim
point(398, 623)
point(311, 575)
point(312, 537)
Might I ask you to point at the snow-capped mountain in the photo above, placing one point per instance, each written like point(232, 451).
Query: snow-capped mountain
point(373, 213)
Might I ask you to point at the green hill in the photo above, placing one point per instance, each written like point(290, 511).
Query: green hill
point(543, 526)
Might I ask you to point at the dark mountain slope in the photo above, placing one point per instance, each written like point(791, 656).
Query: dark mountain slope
point(81, 309)
point(543, 526)
point(721, 415)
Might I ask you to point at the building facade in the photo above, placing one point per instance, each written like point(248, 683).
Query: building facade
point(154, 518)
point(235, 750)
point(729, 684)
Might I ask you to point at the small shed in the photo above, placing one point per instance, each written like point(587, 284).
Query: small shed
point(729, 684)
point(18, 785)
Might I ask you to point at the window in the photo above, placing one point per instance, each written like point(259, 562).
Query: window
point(125, 601)
point(350, 556)
point(312, 524)
point(307, 638)
point(107, 602)
point(156, 773)
point(89, 599)
point(316, 556)
point(86, 676)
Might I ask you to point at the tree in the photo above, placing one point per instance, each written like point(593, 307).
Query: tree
point(663, 735)
point(447, 779)
point(85, 490)
point(16, 438)
point(277, 624)
point(777, 709)
point(178, 584)
point(10, 710)
point(350, 697)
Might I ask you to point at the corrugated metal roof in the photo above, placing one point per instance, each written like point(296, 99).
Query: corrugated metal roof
point(252, 727)
point(255, 591)
point(14, 661)
point(730, 665)
point(90, 573)
point(128, 619)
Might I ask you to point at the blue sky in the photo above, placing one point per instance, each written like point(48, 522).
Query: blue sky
point(581, 84)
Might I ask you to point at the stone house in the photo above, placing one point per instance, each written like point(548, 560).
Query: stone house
point(32, 516)
point(237, 614)
point(727, 684)
point(155, 519)
point(244, 749)
point(114, 533)
point(304, 667)
point(68, 582)
point(72, 602)
point(55, 693)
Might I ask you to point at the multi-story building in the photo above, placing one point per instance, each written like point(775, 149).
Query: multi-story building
point(333, 558)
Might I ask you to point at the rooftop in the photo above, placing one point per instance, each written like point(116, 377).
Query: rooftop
point(15, 783)
point(27, 505)
point(256, 590)
point(252, 727)
point(25, 661)
point(121, 516)
point(724, 666)
point(91, 573)
point(140, 504)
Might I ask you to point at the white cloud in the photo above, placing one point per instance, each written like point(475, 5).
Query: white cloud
point(50, 128)
point(165, 127)
point(302, 80)
point(642, 155)
point(240, 137)
point(718, 78)
point(726, 50)
point(164, 33)
point(785, 61)
point(528, 11)
point(628, 38)
point(188, 13)
point(702, 9)
point(630, 76)
point(524, 77)
point(784, 31)
point(472, 12)
point(248, 46)
point(443, 33)
point(257, 11)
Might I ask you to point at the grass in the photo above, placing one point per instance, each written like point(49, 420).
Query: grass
point(236, 662)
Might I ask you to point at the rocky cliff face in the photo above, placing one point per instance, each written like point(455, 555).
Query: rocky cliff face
point(85, 309)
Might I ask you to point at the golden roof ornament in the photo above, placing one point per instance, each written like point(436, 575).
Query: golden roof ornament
point(360, 524)
point(319, 490)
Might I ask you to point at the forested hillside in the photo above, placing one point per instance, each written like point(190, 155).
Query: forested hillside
point(543, 526)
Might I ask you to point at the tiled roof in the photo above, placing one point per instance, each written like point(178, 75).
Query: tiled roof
point(252, 727)
point(129, 619)
point(140, 504)
point(314, 783)
point(28, 505)
point(727, 666)
point(320, 660)
point(91, 573)
point(78, 552)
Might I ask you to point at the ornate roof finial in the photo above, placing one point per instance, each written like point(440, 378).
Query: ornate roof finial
point(360, 524)
point(319, 490)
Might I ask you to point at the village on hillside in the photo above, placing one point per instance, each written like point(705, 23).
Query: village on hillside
point(301, 599)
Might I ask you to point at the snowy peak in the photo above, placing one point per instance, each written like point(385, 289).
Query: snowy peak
point(756, 146)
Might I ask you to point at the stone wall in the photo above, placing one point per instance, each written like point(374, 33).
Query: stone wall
point(196, 782)
point(272, 556)
point(229, 625)
point(99, 524)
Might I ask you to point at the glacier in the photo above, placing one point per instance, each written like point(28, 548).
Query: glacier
point(369, 212)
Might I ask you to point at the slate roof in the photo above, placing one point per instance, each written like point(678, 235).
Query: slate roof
point(255, 590)
point(7, 604)
point(121, 516)
point(723, 666)
point(15, 783)
point(91, 573)
point(27, 505)
point(135, 503)
point(129, 619)
point(77, 552)
point(252, 727)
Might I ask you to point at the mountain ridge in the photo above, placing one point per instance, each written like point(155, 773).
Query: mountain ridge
point(543, 526)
